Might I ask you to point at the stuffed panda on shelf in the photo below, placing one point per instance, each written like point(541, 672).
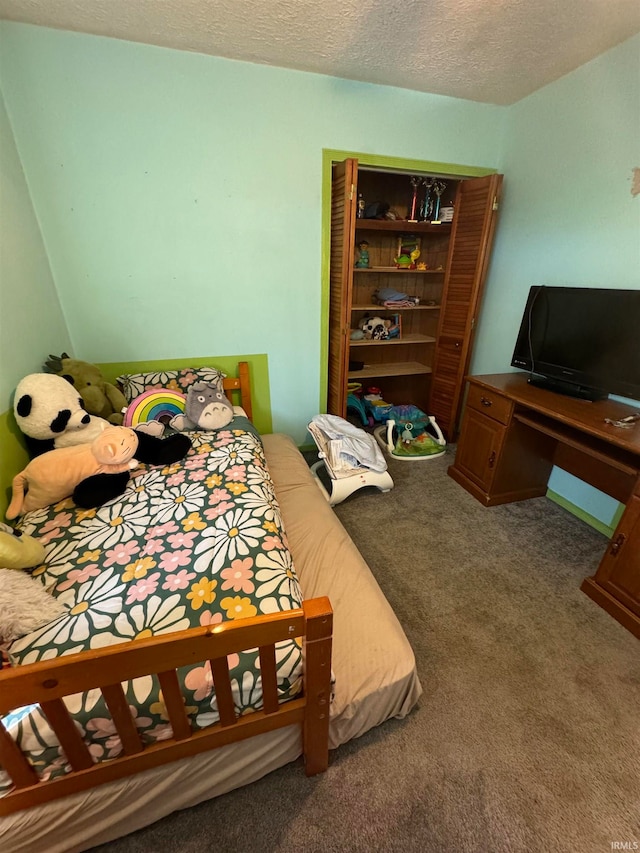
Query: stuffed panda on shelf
point(50, 414)
point(375, 328)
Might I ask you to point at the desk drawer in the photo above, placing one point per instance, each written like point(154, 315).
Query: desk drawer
point(490, 403)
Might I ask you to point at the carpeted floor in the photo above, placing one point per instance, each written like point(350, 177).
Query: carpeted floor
point(527, 737)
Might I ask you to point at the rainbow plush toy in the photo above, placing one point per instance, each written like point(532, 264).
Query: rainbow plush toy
point(157, 404)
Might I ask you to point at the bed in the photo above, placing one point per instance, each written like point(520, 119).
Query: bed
point(147, 728)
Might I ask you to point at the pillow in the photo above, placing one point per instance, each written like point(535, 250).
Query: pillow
point(134, 384)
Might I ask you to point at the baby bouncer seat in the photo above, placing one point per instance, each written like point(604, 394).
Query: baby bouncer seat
point(351, 457)
point(411, 435)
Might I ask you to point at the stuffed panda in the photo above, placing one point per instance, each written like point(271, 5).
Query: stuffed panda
point(375, 328)
point(50, 414)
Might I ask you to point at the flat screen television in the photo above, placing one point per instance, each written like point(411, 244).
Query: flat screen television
point(581, 341)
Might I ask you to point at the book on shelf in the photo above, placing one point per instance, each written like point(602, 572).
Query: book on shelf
point(395, 329)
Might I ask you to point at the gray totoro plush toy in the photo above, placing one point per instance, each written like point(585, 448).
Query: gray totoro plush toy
point(206, 408)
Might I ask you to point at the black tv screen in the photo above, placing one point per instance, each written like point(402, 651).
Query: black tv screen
point(587, 339)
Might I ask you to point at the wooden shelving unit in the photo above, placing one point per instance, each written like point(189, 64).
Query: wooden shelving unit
point(436, 334)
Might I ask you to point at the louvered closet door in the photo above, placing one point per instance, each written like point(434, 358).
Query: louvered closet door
point(343, 207)
point(469, 249)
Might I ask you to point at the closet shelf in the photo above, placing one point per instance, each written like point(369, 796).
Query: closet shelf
point(380, 308)
point(395, 270)
point(405, 339)
point(399, 368)
point(401, 226)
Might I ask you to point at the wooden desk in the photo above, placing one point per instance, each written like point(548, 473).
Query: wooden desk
point(511, 437)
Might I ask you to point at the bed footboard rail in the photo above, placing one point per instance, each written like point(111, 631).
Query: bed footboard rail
point(47, 684)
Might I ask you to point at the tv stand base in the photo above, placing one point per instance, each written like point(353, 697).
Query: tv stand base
point(581, 392)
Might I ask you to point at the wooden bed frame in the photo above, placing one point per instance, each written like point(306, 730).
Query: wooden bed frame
point(46, 683)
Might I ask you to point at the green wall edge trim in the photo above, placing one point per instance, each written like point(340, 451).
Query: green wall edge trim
point(329, 156)
point(580, 513)
point(407, 165)
point(258, 372)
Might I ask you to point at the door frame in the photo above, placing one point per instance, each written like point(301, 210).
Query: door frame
point(399, 164)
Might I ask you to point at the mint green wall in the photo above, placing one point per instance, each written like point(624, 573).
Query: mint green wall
point(31, 319)
point(181, 194)
point(30, 315)
point(568, 215)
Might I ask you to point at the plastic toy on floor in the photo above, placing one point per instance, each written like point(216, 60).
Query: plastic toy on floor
point(411, 435)
point(375, 406)
point(355, 403)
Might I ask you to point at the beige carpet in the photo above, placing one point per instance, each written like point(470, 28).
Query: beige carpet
point(527, 737)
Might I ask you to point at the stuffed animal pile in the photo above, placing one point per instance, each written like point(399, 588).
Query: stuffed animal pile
point(50, 413)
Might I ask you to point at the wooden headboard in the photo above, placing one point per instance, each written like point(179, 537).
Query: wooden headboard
point(241, 383)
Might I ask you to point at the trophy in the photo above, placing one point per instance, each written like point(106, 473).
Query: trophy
point(413, 207)
point(427, 202)
point(438, 188)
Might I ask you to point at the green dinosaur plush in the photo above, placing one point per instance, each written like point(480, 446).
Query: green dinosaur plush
point(100, 397)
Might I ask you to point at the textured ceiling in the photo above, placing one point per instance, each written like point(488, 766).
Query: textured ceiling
point(496, 51)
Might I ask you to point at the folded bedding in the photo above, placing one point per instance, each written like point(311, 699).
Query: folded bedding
point(195, 543)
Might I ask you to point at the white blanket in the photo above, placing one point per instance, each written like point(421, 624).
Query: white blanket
point(349, 446)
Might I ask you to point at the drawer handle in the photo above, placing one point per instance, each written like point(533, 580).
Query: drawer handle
point(486, 401)
point(492, 459)
point(618, 542)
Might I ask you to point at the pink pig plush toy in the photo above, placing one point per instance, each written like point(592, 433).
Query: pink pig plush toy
point(54, 475)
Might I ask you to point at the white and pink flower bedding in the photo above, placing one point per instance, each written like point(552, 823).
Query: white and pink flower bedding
point(195, 543)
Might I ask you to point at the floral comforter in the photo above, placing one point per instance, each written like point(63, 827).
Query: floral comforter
point(195, 543)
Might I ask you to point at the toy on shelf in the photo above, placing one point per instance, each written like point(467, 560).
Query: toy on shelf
point(378, 328)
point(408, 252)
point(375, 328)
point(363, 258)
point(438, 188)
point(403, 262)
